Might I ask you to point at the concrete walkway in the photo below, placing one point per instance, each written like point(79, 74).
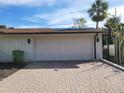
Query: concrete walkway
point(65, 77)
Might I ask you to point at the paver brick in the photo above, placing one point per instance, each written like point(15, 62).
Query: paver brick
point(65, 77)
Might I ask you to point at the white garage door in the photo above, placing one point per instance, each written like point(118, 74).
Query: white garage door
point(63, 47)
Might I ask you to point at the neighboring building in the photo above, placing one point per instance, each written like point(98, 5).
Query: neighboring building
point(51, 44)
point(3, 27)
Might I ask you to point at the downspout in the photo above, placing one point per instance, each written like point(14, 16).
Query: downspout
point(95, 45)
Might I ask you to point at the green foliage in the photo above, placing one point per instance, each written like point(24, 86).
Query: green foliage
point(110, 26)
point(115, 27)
point(107, 41)
point(116, 31)
point(112, 22)
point(79, 22)
point(98, 11)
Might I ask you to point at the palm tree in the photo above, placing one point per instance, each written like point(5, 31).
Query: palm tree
point(98, 11)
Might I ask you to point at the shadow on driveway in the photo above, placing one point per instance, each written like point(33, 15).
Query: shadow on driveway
point(55, 64)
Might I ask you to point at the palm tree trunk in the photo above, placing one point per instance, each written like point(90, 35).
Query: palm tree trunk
point(122, 52)
point(97, 25)
point(118, 53)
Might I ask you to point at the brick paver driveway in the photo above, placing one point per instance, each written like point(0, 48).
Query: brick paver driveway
point(65, 77)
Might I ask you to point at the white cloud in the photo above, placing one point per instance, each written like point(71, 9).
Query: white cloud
point(28, 26)
point(119, 12)
point(62, 26)
point(27, 2)
point(59, 17)
point(63, 16)
point(38, 26)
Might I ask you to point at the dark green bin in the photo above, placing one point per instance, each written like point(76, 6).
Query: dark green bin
point(18, 56)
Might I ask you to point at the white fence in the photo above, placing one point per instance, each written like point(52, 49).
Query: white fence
point(111, 49)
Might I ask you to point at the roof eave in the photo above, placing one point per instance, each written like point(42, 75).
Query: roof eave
point(56, 33)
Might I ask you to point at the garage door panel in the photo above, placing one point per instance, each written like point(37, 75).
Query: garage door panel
point(66, 48)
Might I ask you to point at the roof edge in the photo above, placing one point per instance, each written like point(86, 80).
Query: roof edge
point(50, 31)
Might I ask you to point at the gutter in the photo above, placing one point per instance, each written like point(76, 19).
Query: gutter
point(95, 45)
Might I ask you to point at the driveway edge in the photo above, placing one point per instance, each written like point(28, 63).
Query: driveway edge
point(113, 64)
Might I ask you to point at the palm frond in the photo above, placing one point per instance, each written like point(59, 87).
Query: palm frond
point(98, 10)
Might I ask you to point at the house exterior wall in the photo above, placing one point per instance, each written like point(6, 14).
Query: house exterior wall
point(15, 42)
point(99, 49)
point(50, 46)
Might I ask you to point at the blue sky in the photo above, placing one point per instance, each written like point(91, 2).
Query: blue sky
point(50, 13)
